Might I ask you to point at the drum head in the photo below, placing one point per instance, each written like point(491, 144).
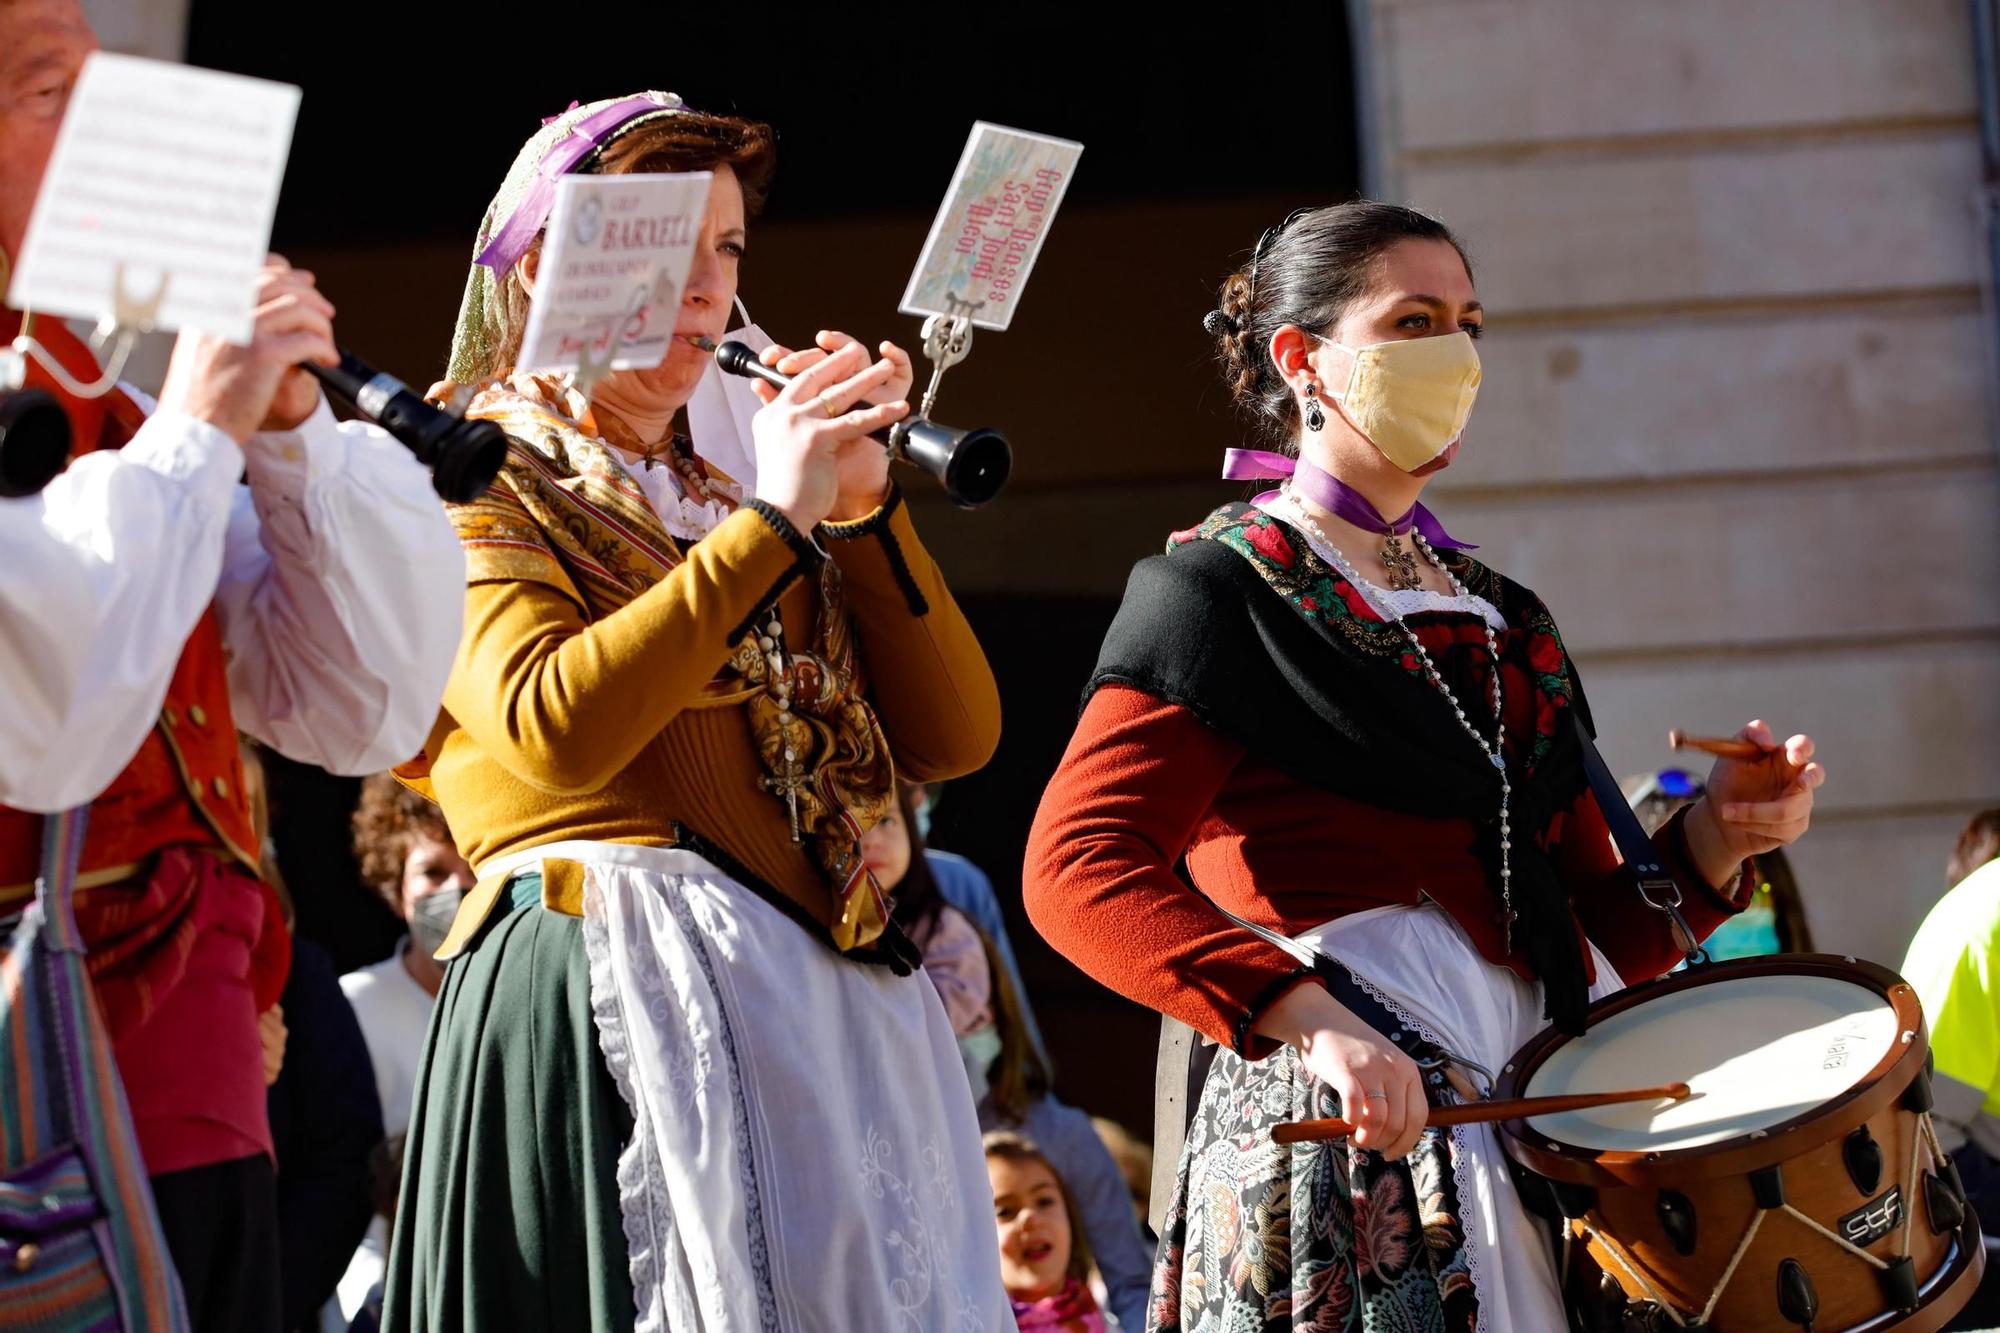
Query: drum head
point(1756, 1050)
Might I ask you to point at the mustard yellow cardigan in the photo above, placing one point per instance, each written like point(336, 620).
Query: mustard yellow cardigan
point(554, 728)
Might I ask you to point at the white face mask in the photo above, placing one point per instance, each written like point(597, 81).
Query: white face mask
point(719, 411)
point(1410, 397)
point(431, 917)
point(979, 1050)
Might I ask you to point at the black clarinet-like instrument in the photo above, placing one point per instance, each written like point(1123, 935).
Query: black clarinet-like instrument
point(463, 456)
point(34, 441)
point(971, 465)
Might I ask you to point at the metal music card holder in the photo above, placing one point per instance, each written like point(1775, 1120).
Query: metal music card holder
point(131, 316)
point(947, 341)
point(35, 433)
point(591, 368)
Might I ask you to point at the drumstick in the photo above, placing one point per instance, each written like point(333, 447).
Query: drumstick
point(1718, 746)
point(1470, 1113)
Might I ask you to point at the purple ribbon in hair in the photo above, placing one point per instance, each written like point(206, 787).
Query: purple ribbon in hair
point(513, 238)
point(1334, 495)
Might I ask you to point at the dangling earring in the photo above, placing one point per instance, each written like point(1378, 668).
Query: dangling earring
point(1315, 417)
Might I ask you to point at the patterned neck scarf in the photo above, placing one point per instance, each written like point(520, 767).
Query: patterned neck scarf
point(566, 512)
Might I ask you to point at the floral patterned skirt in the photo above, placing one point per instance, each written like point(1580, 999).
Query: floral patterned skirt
point(1262, 1237)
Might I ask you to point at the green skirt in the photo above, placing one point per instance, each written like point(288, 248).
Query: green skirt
point(508, 1216)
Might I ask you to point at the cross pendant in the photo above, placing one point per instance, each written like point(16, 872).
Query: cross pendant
point(788, 787)
point(1401, 564)
point(1507, 933)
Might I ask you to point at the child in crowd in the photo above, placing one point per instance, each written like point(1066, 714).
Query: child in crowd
point(1044, 1260)
point(1009, 1078)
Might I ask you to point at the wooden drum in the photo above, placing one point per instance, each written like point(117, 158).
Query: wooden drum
point(1800, 1186)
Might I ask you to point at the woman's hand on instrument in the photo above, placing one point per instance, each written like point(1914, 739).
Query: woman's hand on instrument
point(863, 465)
point(828, 341)
point(811, 437)
point(1753, 805)
point(1381, 1089)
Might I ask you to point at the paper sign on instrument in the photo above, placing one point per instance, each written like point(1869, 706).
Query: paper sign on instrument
point(995, 218)
point(614, 260)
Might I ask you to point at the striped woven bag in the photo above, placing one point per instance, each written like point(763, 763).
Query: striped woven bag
point(80, 1242)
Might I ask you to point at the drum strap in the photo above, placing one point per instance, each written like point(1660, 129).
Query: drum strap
point(1184, 1058)
point(1656, 888)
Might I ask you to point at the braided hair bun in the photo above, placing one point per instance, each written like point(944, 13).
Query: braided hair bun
point(1229, 325)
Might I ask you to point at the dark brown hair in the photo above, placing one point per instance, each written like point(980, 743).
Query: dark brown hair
point(1978, 843)
point(1017, 1075)
point(694, 141)
point(915, 901)
point(390, 818)
point(1306, 271)
point(685, 141)
point(1013, 1148)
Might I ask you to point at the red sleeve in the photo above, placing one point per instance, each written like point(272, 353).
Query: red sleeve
point(1138, 778)
point(1634, 936)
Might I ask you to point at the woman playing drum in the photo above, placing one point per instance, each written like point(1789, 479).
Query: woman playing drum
point(1361, 737)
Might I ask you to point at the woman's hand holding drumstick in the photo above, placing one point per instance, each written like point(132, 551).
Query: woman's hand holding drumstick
point(1380, 1087)
point(1759, 796)
point(1481, 1112)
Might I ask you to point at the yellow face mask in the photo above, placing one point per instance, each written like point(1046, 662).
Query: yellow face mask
point(1411, 397)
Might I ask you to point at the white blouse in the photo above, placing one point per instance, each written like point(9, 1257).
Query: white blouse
point(1387, 603)
point(683, 518)
point(337, 578)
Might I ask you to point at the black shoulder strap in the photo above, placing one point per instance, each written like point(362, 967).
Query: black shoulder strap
point(1185, 1056)
point(1655, 887)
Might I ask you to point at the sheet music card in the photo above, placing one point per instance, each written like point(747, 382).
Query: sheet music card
point(615, 258)
point(996, 215)
point(169, 174)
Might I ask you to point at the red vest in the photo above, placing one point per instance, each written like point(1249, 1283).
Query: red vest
point(185, 785)
point(185, 957)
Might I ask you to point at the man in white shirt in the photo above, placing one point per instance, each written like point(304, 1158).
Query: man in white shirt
point(150, 607)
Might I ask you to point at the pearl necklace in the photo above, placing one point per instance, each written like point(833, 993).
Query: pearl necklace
point(1494, 750)
point(789, 781)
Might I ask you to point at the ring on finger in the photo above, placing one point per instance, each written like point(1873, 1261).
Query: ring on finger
point(827, 407)
point(1377, 1096)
